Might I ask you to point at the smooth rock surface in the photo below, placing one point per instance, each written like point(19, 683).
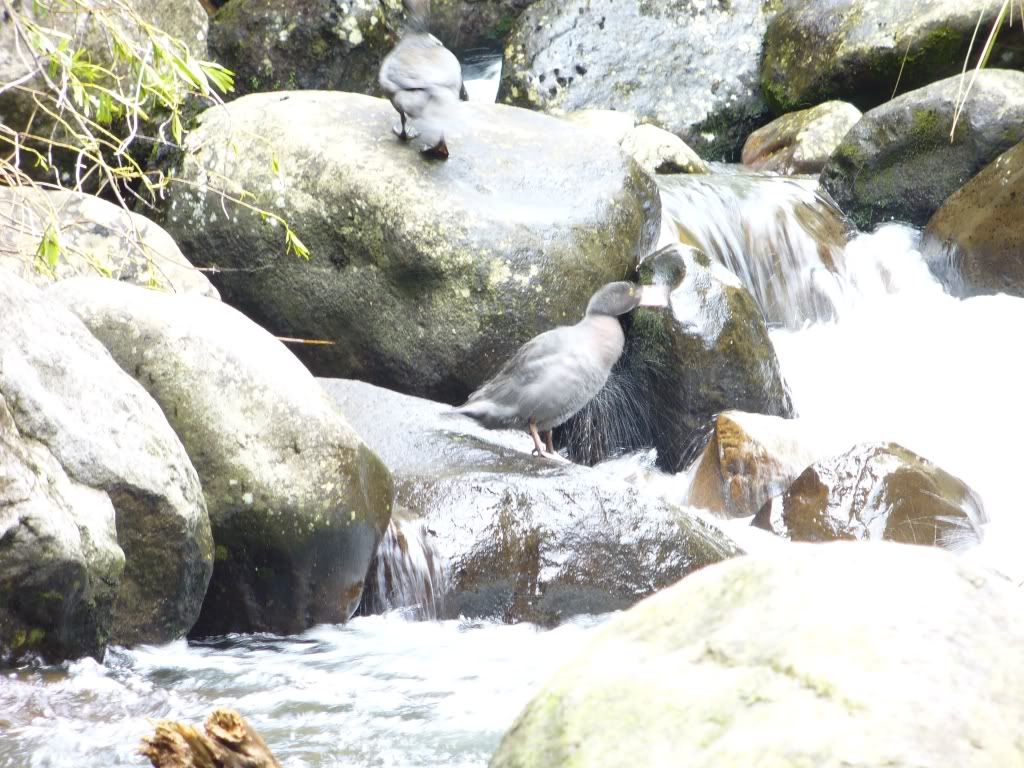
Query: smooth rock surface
point(523, 538)
point(60, 564)
point(900, 656)
point(425, 275)
point(64, 391)
point(707, 352)
point(95, 237)
point(800, 142)
point(876, 491)
point(975, 241)
point(297, 500)
point(658, 151)
point(867, 51)
point(898, 162)
point(689, 67)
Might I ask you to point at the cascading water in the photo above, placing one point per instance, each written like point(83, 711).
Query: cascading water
point(408, 575)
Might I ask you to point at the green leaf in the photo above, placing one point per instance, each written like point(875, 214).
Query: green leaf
point(294, 245)
point(48, 252)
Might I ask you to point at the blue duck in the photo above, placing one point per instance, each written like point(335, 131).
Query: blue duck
point(556, 373)
point(422, 78)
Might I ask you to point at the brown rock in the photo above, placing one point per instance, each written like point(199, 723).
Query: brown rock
point(800, 142)
point(876, 491)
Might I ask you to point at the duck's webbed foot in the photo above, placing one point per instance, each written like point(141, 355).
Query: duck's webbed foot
point(404, 130)
point(542, 450)
point(439, 150)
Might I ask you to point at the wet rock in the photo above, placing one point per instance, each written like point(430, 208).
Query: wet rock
point(524, 539)
point(306, 44)
point(708, 352)
point(749, 459)
point(690, 68)
point(426, 275)
point(876, 491)
point(975, 241)
point(185, 20)
point(898, 162)
point(474, 24)
point(800, 142)
point(94, 237)
point(865, 51)
point(658, 151)
point(297, 500)
point(60, 564)
point(612, 125)
point(66, 393)
point(898, 655)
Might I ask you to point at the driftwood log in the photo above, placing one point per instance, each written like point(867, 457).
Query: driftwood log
point(229, 742)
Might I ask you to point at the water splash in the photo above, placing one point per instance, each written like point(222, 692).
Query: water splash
point(408, 574)
point(782, 237)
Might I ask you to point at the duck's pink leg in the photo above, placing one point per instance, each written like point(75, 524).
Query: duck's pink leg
point(538, 446)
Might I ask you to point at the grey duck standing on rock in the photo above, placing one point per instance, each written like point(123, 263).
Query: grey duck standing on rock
point(422, 78)
point(555, 374)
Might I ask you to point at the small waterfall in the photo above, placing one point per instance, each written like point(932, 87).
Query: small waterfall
point(407, 573)
point(781, 236)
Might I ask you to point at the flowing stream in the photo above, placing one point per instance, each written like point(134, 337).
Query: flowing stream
point(872, 348)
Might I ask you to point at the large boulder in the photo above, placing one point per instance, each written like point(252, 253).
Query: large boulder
point(690, 68)
point(89, 235)
point(297, 501)
point(306, 44)
point(465, 25)
point(827, 656)
point(749, 459)
point(425, 275)
point(800, 142)
point(975, 241)
point(707, 352)
point(60, 565)
point(864, 51)
point(899, 163)
point(64, 391)
point(876, 491)
point(522, 538)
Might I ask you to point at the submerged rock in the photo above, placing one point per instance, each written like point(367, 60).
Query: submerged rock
point(800, 142)
point(60, 564)
point(305, 44)
point(426, 276)
point(93, 237)
point(708, 352)
point(975, 241)
point(748, 460)
point(900, 656)
point(899, 163)
point(297, 501)
point(66, 395)
point(876, 491)
point(522, 538)
point(865, 51)
point(689, 68)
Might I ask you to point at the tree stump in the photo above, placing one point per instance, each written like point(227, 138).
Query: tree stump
point(229, 742)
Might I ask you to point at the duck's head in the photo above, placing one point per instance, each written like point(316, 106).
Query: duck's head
point(618, 298)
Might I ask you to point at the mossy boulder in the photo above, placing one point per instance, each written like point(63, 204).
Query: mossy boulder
point(425, 276)
point(690, 68)
point(975, 241)
point(800, 142)
point(60, 564)
point(522, 538)
point(472, 25)
point(304, 44)
point(866, 51)
point(707, 352)
point(105, 433)
point(876, 491)
point(95, 237)
point(899, 656)
point(297, 501)
point(899, 163)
